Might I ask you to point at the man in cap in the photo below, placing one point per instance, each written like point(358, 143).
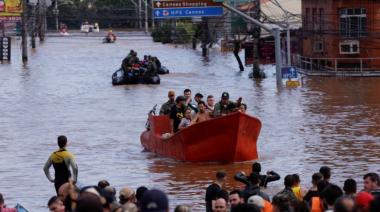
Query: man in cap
point(154, 201)
point(177, 113)
point(167, 106)
point(225, 106)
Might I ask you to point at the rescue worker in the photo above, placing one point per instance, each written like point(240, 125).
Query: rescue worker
point(167, 106)
point(61, 160)
point(225, 106)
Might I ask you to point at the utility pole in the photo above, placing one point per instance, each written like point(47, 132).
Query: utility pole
point(139, 17)
point(205, 36)
point(275, 31)
point(33, 16)
point(24, 41)
point(56, 12)
point(153, 24)
point(256, 32)
point(288, 40)
point(146, 16)
point(41, 19)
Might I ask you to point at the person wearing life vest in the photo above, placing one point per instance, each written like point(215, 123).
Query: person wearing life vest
point(61, 160)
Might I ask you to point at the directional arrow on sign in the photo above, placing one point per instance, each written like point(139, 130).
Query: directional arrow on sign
point(157, 13)
point(158, 4)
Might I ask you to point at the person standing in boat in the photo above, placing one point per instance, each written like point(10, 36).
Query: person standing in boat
point(61, 160)
point(225, 106)
point(189, 103)
point(167, 106)
point(177, 112)
point(210, 104)
point(202, 115)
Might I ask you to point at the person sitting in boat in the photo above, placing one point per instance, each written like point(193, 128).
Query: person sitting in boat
point(243, 108)
point(167, 106)
point(225, 106)
point(177, 113)
point(130, 60)
point(210, 104)
point(110, 36)
point(151, 68)
point(157, 62)
point(185, 121)
point(202, 115)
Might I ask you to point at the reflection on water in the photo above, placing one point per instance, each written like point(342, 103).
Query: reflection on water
point(66, 89)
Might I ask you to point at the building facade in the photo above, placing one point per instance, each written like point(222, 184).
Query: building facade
point(341, 35)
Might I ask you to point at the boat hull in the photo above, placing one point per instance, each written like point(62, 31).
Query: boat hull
point(231, 138)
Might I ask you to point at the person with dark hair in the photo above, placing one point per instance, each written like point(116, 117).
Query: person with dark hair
point(103, 183)
point(372, 183)
point(313, 191)
point(281, 203)
point(252, 185)
point(188, 101)
point(55, 205)
point(329, 195)
point(326, 173)
point(177, 113)
point(344, 204)
point(210, 104)
point(88, 201)
point(202, 115)
point(3, 207)
point(349, 188)
point(287, 192)
point(213, 190)
point(245, 208)
point(296, 188)
point(61, 160)
point(154, 200)
point(265, 179)
point(243, 108)
point(235, 198)
point(139, 193)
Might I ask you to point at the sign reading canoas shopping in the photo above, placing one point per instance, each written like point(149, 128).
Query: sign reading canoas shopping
point(10, 7)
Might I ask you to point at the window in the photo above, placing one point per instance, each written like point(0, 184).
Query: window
point(353, 22)
point(318, 46)
point(307, 19)
point(349, 47)
point(315, 20)
point(321, 22)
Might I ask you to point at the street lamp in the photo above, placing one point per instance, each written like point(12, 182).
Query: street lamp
point(56, 12)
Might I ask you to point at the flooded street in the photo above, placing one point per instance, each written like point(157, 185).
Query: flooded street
point(66, 89)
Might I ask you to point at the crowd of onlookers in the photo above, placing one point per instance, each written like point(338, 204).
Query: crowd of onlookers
point(322, 196)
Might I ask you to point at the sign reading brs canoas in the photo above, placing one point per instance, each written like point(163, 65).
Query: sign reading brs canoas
point(186, 8)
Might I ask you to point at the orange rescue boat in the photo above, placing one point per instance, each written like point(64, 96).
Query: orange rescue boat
point(230, 138)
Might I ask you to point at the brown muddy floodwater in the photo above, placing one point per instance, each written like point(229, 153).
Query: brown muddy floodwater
point(66, 89)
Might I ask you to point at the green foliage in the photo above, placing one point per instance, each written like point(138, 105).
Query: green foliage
point(182, 33)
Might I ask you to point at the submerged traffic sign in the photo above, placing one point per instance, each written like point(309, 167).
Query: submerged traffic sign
point(180, 12)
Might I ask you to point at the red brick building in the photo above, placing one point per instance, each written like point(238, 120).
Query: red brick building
point(341, 35)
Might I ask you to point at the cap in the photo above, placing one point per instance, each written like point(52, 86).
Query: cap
point(363, 199)
point(126, 192)
point(225, 95)
point(154, 200)
point(256, 200)
point(180, 98)
point(171, 93)
point(199, 95)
